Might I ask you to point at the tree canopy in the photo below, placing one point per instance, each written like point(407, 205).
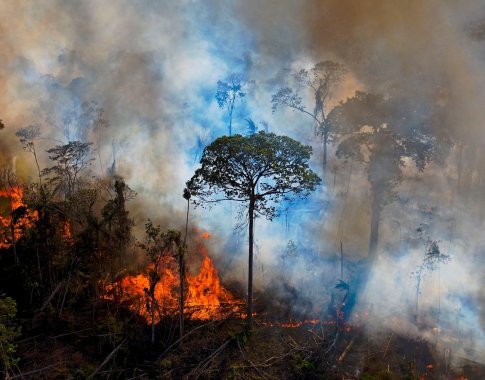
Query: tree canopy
point(71, 159)
point(228, 92)
point(263, 166)
point(385, 133)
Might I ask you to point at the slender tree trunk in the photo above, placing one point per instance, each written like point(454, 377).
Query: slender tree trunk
point(250, 264)
point(374, 230)
point(14, 245)
point(231, 108)
point(67, 288)
point(152, 312)
point(418, 288)
point(37, 163)
point(38, 264)
point(325, 143)
point(182, 274)
point(181, 290)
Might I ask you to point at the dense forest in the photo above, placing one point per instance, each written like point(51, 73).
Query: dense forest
point(242, 190)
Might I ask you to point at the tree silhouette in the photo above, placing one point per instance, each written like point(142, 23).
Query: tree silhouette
point(228, 92)
point(159, 246)
point(382, 133)
point(319, 80)
point(71, 160)
point(27, 138)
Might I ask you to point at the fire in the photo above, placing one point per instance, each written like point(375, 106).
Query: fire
point(14, 197)
point(66, 231)
point(298, 323)
point(206, 298)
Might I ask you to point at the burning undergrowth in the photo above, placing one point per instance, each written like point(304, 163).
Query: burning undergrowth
point(205, 299)
point(16, 216)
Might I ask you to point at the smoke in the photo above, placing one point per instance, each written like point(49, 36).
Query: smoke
point(153, 68)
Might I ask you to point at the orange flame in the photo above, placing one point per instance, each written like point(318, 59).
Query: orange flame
point(206, 298)
point(66, 231)
point(14, 197)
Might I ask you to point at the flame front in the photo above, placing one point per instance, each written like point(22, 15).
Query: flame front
point(206, 298)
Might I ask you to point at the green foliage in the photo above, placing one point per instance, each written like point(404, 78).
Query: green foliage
point(303, 367)
point(240, 337)
point(9, 331)
point(263, 167)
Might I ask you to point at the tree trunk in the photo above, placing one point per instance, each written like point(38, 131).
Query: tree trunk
point(231, 109)
point(325, 143)
point(181, 289)
point(37, 163)
point(153, 317)
point(14, 245)
point(182, 273)
point(38, 264)
point(250, 264)
point(418, 288)
point(374, 230)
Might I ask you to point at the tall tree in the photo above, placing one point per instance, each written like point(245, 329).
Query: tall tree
point(116, 221)
point(228, 92)
point(320, 81)
point(182, 252)
point(384, 133)
point(27, 137)
point(258, 171)
point(70, 161)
